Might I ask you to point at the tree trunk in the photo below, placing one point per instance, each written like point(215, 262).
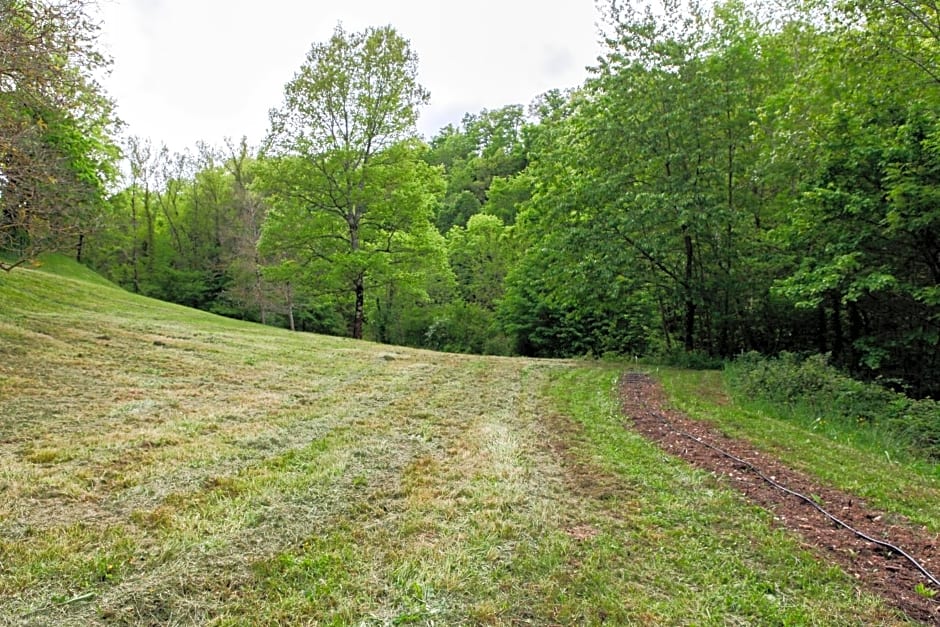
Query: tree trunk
point(359, 315)
point(151, 234)
point(837, 350)
point(821, 344)
point(259, 292)
point(135, 255)
point(290, 306)
point(664, 321)
point(689, 326)
point(359, 282)
point(689, 302)
point(855, 332)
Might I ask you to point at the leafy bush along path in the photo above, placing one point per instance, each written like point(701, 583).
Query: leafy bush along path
point(878, 569)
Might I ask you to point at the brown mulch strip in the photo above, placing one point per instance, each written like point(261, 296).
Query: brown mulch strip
point(879, 570)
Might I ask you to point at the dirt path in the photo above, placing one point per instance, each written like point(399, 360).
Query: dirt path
point(877, 569)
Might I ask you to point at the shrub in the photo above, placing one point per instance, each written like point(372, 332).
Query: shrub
point(811, 386)
point(690, 360)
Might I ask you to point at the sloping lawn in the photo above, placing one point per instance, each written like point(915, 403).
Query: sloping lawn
point(160, 465)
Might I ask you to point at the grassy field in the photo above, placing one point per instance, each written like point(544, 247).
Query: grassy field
point(164, 466)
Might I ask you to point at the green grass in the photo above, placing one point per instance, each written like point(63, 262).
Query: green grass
point(684, 542)
point(159, 465)
point(848, 460)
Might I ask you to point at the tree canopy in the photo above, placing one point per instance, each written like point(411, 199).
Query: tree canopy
point(56, 151)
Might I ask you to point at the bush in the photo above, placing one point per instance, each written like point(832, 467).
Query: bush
point(694, 360)
point(813, 387)
point(461, 327)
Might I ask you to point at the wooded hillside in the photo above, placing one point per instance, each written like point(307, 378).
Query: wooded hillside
point(753, 176)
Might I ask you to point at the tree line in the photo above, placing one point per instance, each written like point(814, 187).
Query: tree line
point(730, 178)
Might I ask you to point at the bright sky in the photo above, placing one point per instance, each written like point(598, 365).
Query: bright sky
point(190, 70)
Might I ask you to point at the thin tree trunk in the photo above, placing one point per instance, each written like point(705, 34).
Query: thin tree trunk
point(837, 346)
point(135, 249)
point(359, 315)
point(259, 292)
point(689, 302)
point(663, 315)
point(290, 306)
point(151, 234)
point(855, 332)
point(359, 282)
point(821, 341)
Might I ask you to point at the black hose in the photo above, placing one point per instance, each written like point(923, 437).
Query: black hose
point(802, 497)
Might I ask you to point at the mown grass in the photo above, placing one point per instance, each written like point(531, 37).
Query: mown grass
point(685, 542)
point(160, 465)
point(857, 462)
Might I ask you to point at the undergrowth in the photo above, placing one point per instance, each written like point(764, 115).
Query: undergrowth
point(688, 360)
point(823, 399)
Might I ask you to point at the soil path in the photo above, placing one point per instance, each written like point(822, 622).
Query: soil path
point(878, 569)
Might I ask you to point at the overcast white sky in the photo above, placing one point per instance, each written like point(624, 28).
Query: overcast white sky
point(190, 70)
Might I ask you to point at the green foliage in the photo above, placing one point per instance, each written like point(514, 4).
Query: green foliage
point(480, 256)
point(466, 327)
point(402, 312)
point(175, 232)
point(823, 394)
point(506, 195)
point(642, 183)
point(733, 177)
point(482, 160)
point(556, 308)
point(688, 360)
point(866, 232)
point(56, 149)
point(456, 210)
point(392, 242)
point(924, 591)
point(352, 200)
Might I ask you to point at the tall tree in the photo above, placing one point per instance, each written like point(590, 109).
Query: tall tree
point(248, 292)
point(352, 200)
point(863, 229)
point(55, 126)
point(647, 193)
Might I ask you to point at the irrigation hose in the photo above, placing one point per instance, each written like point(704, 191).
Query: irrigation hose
point(860, 534)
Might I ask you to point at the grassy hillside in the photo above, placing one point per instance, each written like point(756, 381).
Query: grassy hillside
point(160, 465)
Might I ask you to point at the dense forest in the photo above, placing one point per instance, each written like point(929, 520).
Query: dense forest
point(739, 177)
